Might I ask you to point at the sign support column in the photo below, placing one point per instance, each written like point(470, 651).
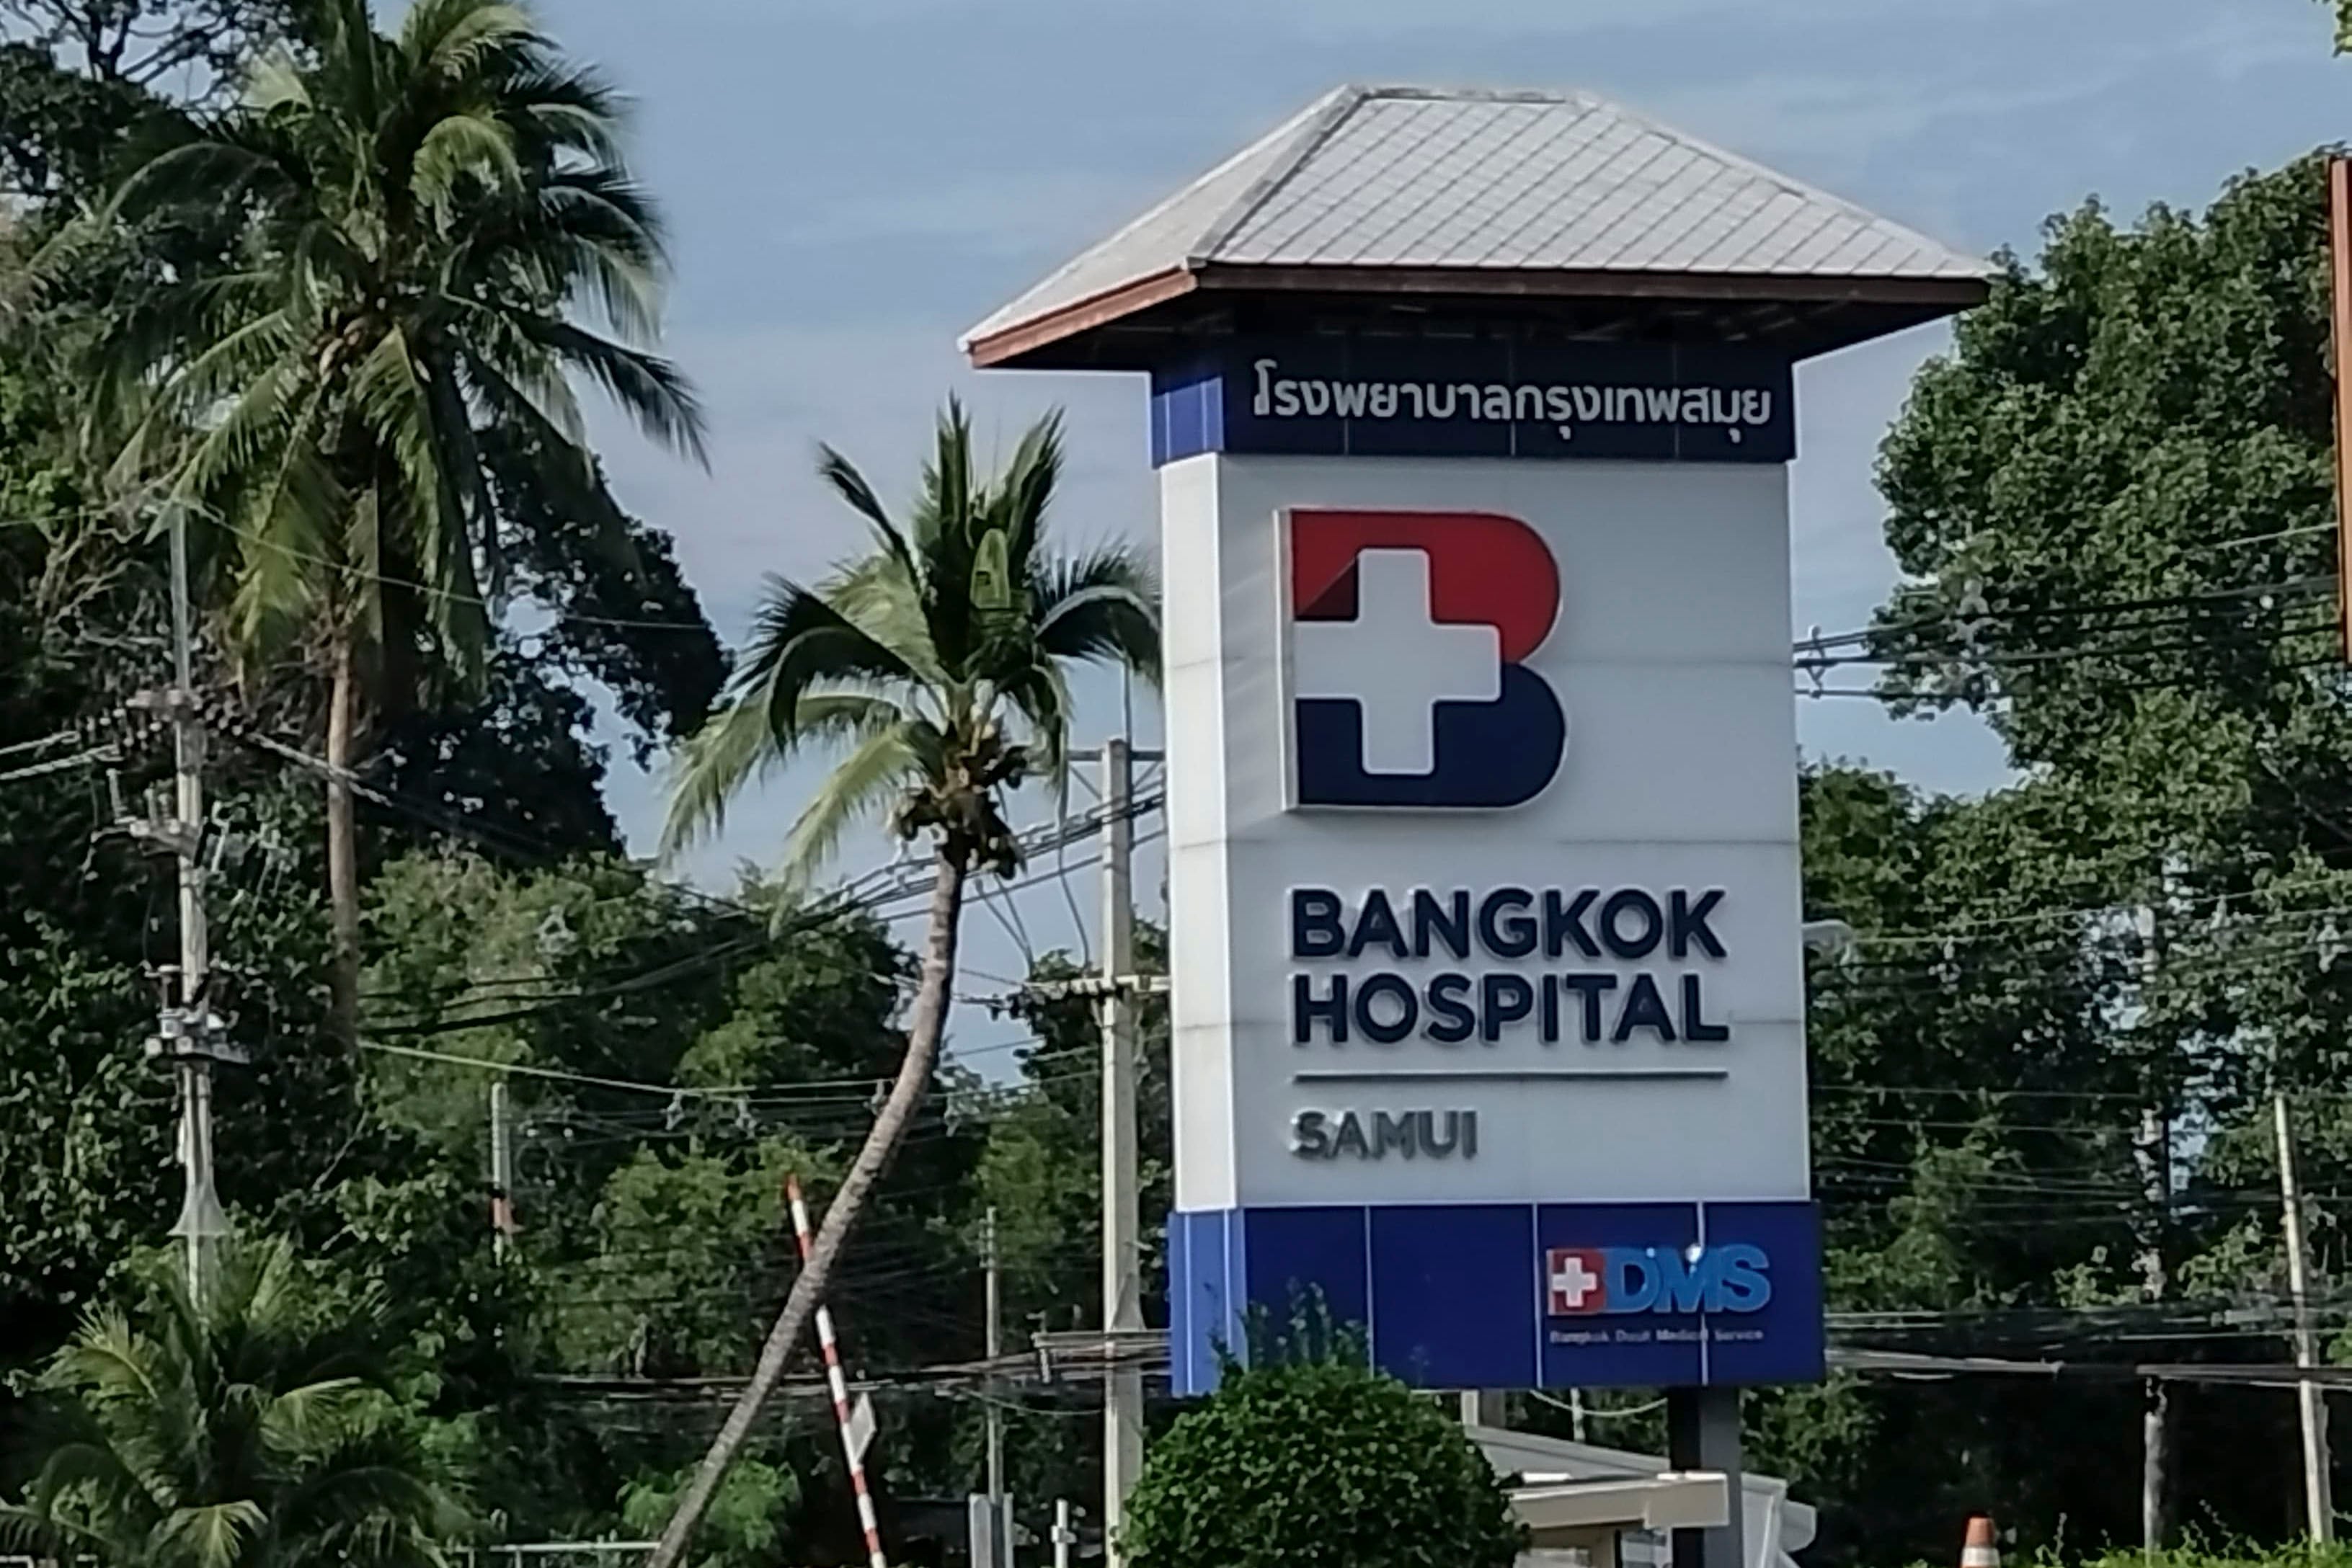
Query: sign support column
point(1703, 1434)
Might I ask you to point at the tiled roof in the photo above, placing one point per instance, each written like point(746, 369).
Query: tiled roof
point(1410, 177)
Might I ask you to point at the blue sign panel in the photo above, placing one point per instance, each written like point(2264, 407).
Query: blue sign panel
point(1514, 1295)
point(1477, 397)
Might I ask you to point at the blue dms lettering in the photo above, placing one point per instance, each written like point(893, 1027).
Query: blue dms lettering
point(1733, 1278)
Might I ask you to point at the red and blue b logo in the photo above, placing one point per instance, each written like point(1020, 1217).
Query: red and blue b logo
point(1409, 635)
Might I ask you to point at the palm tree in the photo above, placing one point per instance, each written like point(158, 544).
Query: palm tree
point(387, 351)
point(251, 1429)
point(937, 664)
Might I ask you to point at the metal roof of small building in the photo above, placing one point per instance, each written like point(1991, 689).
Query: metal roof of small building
point(1398, 189)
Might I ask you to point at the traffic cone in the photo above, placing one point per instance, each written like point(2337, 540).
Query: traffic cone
point(1978, 1550)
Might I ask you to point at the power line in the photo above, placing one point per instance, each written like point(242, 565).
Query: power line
point(1820, 643)
point(447, 595)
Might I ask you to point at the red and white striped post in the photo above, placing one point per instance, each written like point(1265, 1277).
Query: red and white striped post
point(840, 1387)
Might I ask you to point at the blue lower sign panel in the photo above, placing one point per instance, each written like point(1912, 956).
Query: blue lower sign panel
point(1513, 1295)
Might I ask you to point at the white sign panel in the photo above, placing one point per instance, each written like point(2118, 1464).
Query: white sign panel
point(1483, 832)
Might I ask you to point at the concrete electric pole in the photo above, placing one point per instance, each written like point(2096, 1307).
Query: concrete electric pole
point(1122, 1278)
point(2318, 1490)
point(2152, 1157)
point(995, 1348)
point(189, 1035)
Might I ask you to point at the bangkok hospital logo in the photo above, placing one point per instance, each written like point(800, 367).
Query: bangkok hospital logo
point(1408, 639)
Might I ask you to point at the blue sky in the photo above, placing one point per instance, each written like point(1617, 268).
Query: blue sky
point(853, 183)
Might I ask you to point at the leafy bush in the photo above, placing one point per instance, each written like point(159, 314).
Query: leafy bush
point(1318, 1463)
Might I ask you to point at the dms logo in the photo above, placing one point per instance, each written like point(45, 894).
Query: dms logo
point(1584, 1281)
point(1408, 636)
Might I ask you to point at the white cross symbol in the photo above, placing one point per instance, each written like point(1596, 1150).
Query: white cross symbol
point(1572, 1282)
point(1395, 662)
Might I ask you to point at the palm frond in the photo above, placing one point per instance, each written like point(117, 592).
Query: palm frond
point(800, 643)
point(107, 1359)
point(94, 1469)
point(1103, 606)
point(282, 543)
point(515, 380)
point(1040, 694)
point(570, 231)
point(256, 357)
point(800, 640)
point(194, 173)
point(842, 477)
point(248, 432)
point(211, 1535)
point(349, 50)
point(646, 387)
point(1026, 488)
point(567, 107)
point(311, 1415)
point(863, 783)
point(448, 40)
point(947, 487)
point(462, 147)
point(878, 598)
point(34, 1532)
point(734, 747)
point(390, 395)
point(277, 81)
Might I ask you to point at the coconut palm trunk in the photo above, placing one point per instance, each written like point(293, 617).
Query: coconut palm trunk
point(343, 842)
point(925, 1028)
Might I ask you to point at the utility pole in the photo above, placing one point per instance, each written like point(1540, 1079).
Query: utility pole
point(996, 1409)
point(1122, 1282)
point(189, 1034)
point(502, 1220)
point(2152, 1153)
point(2318, 1494)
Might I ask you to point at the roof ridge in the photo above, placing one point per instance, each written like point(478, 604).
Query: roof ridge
point(1322, 119)
point(1421, 92)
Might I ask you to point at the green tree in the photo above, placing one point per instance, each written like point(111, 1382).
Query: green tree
point(939, 662)
point(249, 1428)
point(1971, 1122)
point(654, 1247)
point(2112, 506)
point(1318, 1463)
point(426, 212)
